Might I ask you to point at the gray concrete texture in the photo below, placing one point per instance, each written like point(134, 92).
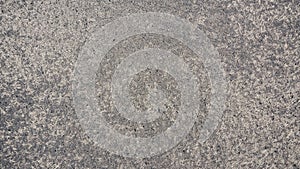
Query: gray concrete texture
point(48, 47)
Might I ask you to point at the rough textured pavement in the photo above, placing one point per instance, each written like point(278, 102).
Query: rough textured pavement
point(259, 47)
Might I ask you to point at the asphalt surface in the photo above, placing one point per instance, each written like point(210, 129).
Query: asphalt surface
point(258, 45)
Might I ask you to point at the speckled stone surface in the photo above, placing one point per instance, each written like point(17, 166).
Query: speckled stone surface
point(259, 46)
